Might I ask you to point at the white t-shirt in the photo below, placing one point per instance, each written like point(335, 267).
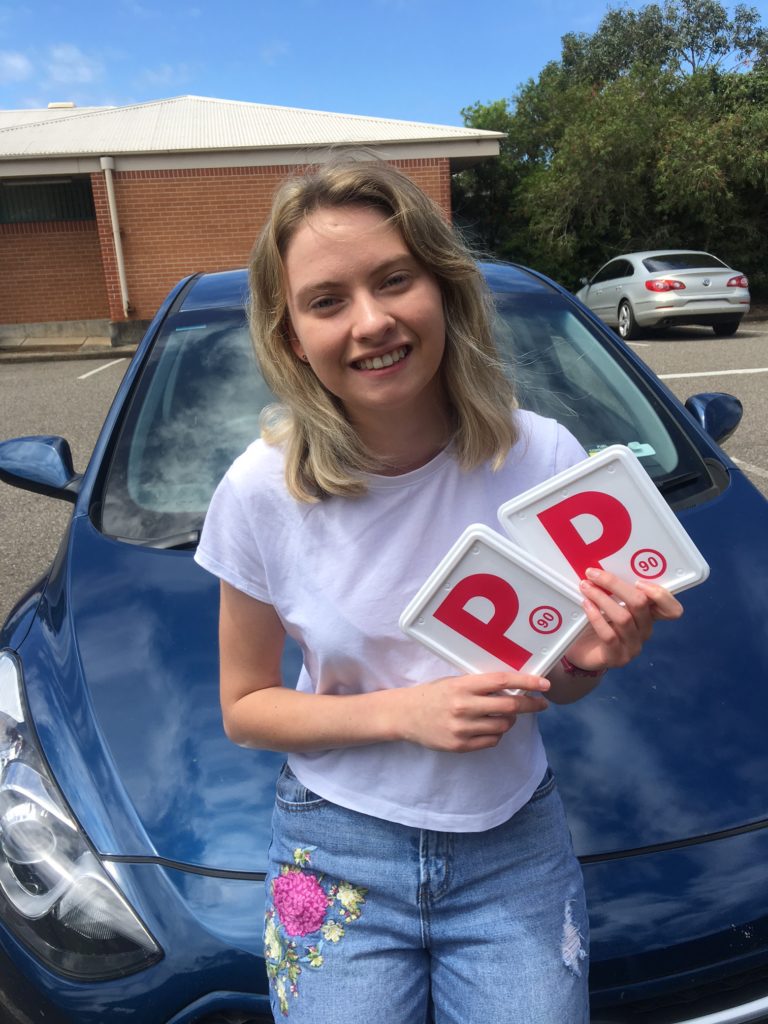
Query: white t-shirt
point(339, 573)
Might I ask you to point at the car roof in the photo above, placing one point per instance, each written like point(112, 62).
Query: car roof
point(223, 289)
point(649, 253)
point(229, 288)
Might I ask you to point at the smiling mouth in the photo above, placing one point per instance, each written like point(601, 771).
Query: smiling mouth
point(380, 362)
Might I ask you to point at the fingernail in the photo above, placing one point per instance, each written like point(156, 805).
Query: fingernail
point(592, 574)
point(584, 585)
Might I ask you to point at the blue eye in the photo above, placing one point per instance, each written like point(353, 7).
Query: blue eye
point(396, 279)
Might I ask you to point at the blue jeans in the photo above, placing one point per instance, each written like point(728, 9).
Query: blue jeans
point(369, 919)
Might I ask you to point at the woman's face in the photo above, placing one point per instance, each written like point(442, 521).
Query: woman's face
point(365, 315)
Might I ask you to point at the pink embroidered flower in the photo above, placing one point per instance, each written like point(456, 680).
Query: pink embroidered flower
point(300, 902)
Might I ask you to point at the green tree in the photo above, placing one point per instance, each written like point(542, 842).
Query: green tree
point(680, 36)
point(483, 196)
point(652, 132)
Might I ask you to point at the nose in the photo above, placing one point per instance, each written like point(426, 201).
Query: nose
point(370, 318)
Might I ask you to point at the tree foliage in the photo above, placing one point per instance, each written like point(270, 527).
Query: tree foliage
point(652, 132)
point(682, 36)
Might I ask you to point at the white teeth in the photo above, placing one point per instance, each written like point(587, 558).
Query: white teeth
point(378, 362)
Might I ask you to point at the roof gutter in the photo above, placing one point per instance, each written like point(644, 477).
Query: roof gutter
point(108, 165)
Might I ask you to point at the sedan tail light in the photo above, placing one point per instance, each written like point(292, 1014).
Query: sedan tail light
point(666, 284)
point(740, 281)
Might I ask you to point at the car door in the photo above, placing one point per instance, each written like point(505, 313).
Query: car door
point(602, 292)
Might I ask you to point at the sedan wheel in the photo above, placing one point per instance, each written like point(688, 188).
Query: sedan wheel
point(727, 329)
point(627, 322)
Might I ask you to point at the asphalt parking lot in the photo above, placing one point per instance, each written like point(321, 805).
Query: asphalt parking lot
point(72, 397)
point(692, 360)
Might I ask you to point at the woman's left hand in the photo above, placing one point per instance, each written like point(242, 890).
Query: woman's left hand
point(621, 617)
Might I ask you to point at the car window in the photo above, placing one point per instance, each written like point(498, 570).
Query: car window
point(196, 408)
point(197, 404)
point(563, 369)
point(682, 261)
point(609, 272)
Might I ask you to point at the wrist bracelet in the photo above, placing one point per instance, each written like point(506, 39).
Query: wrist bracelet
point(584, 673)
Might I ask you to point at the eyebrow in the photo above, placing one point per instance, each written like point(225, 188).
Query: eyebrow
point(381, 268)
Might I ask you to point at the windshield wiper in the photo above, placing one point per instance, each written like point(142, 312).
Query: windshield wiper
point(674, 483)
point(174, 542)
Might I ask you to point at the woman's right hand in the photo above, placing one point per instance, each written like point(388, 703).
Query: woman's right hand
point(463, 713)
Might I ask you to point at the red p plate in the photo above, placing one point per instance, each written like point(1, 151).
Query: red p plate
point(488, 635)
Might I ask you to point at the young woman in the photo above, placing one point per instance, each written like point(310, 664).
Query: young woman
point(419, 850)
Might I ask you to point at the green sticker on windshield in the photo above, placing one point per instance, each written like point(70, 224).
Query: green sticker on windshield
point(641, 449)
point(638, 447)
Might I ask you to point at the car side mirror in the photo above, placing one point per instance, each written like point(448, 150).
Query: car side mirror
point(717, 413)
point(42, 464)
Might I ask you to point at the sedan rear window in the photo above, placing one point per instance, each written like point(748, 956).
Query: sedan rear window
point(683, 261)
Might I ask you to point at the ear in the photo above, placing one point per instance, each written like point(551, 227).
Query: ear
point(293, 341)
point(298, 351)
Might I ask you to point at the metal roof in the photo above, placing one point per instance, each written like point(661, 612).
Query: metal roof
point(185, 124)
point(14, 118)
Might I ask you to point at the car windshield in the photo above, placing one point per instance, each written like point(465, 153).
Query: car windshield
point(196, 407)
point(682, 261)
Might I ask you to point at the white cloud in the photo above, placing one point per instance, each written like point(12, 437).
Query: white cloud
point(14, 66)
point(166, 75)
point(273, 53)
point(68, 65)
point(139, 10)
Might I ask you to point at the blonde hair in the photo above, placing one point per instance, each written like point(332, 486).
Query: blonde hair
point(324, 454)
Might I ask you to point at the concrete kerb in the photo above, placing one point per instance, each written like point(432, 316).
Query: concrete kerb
point(65, 353)
point(81, 339)
point(48, 348)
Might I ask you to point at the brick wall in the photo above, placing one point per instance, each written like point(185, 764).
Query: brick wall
point(174, 223)
point(51, 271)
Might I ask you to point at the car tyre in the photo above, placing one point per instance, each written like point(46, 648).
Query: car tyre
point(627, 322)
point(726, 329)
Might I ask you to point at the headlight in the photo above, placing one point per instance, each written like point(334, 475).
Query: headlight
point(54, 893)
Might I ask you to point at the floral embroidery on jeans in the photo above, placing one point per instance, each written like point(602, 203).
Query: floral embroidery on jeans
point(303, 905)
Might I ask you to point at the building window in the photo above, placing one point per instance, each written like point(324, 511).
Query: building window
point(24, 202)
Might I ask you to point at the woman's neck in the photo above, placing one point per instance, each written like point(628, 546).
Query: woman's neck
point(401, 445)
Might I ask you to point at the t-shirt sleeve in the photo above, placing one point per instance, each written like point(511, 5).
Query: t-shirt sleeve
point(228, 546)
point(568, 450)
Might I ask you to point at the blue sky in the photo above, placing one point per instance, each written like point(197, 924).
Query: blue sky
point(420, 60)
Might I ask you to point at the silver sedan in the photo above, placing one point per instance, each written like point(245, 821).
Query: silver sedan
point(665, 288)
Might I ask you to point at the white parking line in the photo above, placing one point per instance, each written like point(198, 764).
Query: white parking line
point(98, 369)
point(712, 373)
point(749, 468)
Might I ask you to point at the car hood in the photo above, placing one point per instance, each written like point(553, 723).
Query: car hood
point(672, 746)
point(667, 749)
point(132, 632)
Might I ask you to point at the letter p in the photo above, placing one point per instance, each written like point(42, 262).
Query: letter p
point(488, 635)
point(613, 517)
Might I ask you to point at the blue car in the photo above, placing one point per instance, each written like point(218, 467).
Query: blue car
point(133, 834)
